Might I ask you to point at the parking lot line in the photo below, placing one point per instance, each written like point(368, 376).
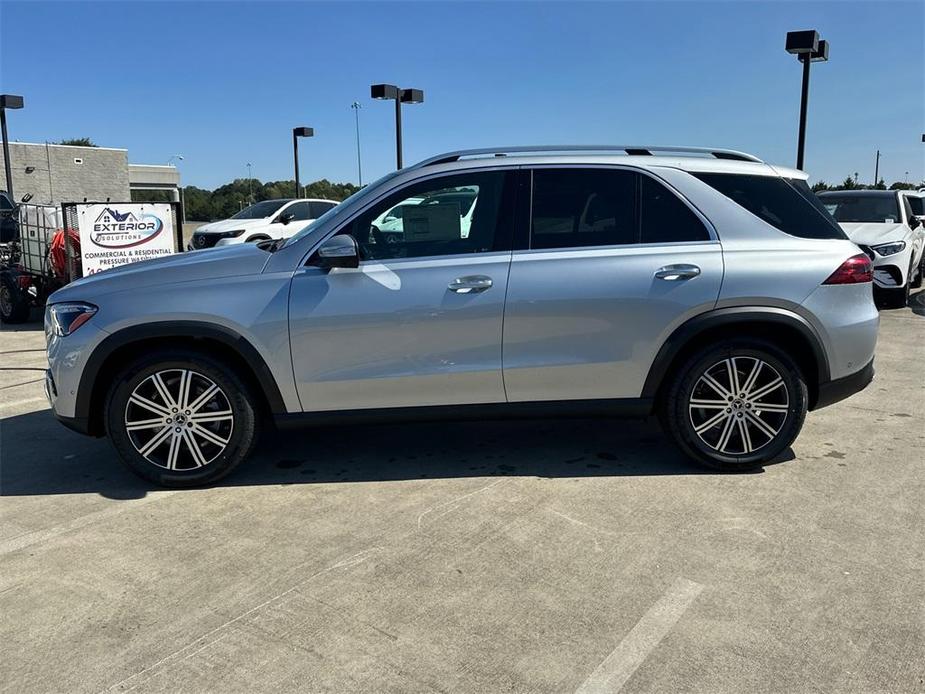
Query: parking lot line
point(619, 666)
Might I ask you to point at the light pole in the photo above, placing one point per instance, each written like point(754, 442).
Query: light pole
point(356, 112)
point(178, 157)
point(296, 134)
point(877, 169)
point(400, 96)
point(8, 101)
point(250, 185)
point(808, 48)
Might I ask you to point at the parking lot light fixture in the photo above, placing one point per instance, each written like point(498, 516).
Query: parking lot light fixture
point(296, 134)
point(808, 48)
point(8, 101)
point(400, 96)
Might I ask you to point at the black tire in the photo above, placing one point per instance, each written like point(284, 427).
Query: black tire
point(791, 397)
point(14, 303)
point(240, 434)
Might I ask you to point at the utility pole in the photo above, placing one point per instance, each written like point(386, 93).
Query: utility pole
point(877, 170)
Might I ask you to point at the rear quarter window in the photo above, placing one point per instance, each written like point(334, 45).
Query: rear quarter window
point(787, 205)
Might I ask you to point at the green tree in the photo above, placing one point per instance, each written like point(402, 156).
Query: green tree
point(79, 142)
point(819, 186)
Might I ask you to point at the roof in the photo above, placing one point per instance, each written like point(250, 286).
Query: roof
point(691, 159)
point(52, 144)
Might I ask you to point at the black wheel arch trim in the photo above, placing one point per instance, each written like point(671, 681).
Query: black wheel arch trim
point(728, 316)
point(177, 329)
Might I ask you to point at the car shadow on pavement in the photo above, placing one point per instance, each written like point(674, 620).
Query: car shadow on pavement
point(39, 457)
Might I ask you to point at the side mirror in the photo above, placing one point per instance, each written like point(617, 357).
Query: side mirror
point(338, 251)
point(286, 217)
point(914, 222)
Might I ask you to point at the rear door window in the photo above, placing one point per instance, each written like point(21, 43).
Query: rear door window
point(574, 208)
point(785, 205)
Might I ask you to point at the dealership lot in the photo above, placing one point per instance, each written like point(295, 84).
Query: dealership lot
point(495, 556)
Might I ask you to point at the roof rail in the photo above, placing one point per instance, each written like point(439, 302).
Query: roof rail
point(627, 149)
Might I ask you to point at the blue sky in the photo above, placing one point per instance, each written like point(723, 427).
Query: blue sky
point(224, 83)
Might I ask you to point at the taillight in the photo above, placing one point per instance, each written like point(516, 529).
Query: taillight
point(855, 270)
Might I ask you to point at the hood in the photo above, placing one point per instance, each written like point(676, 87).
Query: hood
point(873, 233)
point(224, 261)
point(232, 224)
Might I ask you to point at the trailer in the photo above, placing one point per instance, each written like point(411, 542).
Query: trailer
point(33, 259)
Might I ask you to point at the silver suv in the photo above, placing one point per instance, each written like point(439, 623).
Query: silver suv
point(704, 286)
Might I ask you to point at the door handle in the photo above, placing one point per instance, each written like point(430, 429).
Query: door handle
point(470, 284)
point(673, 273)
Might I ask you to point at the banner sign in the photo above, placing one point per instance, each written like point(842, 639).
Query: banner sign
point(113, 234)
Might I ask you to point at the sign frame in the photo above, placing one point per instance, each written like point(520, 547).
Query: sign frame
point(71, 213)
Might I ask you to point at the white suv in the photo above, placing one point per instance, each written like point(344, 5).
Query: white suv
point(884, 226)
point(268, 219)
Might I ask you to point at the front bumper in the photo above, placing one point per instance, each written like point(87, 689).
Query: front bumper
point(80, 425)
point(841, 388)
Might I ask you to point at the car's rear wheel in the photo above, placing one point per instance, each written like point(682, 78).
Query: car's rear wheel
point(181, 419)
point(736, 406)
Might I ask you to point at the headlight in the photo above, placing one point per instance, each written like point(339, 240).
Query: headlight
point(67, 317)
point(232, 234)
point(890, 248)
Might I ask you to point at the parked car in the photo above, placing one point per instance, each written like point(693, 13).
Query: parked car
point(262, 221)
point(883, 225)
point(701, 285)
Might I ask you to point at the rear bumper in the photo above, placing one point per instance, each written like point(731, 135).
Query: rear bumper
point(841, 388)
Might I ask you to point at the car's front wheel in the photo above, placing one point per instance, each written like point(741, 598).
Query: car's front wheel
point(181, 419)
point(736, 406)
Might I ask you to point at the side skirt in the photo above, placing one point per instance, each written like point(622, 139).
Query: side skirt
point(572, 409)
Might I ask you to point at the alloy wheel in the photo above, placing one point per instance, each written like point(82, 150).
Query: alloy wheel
point(179, 419)
point(739, 405)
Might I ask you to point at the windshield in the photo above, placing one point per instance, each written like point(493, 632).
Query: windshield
point(849, 207)
point(267, 208)
point(365, 192)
